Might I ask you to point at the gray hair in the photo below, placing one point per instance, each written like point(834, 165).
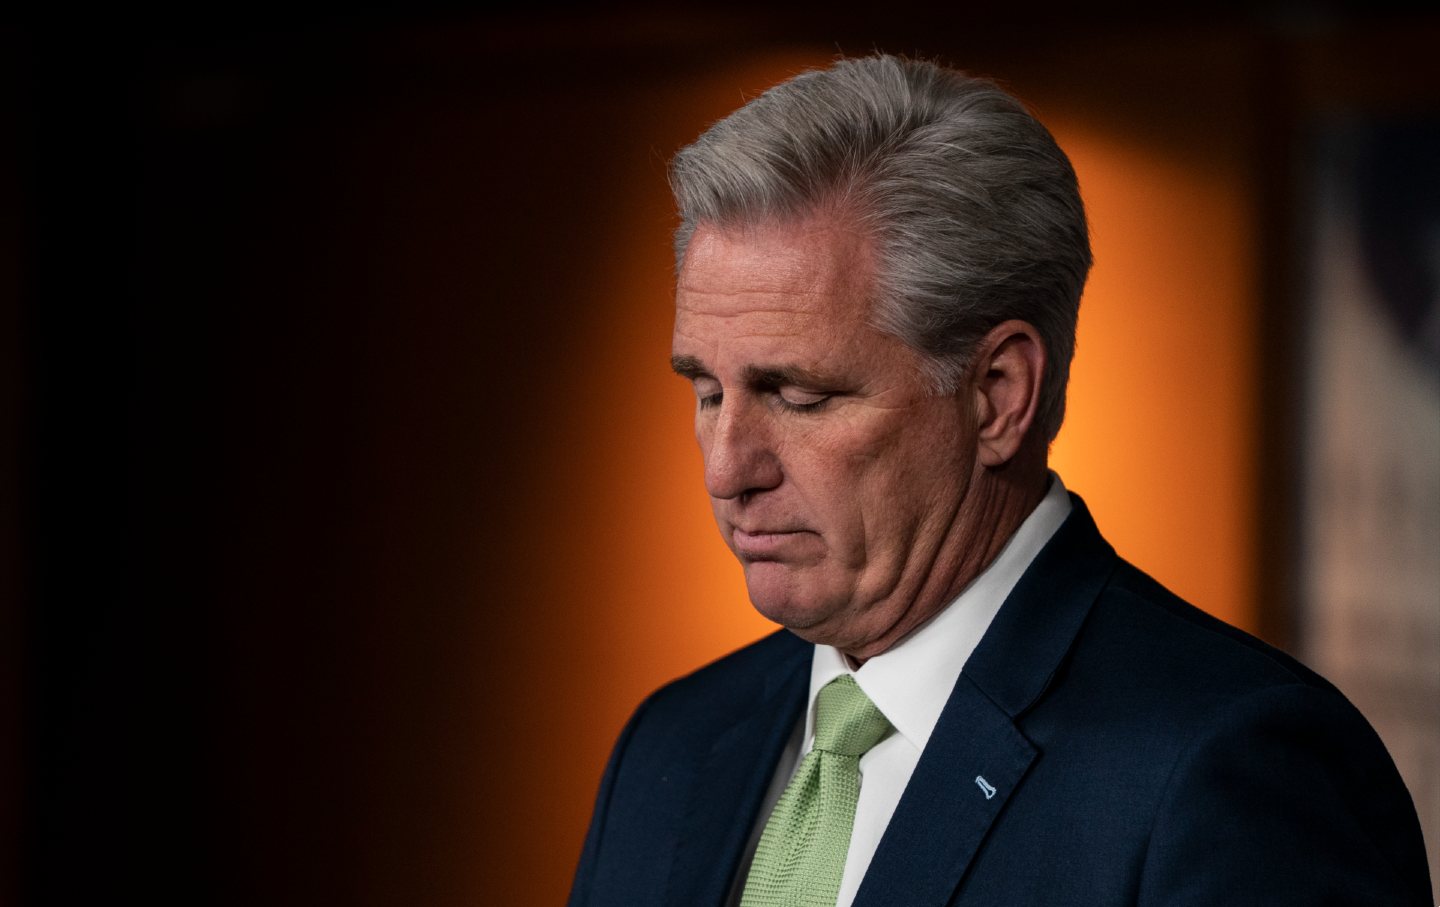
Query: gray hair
point(973, 209)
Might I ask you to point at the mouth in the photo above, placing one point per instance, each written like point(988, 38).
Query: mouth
point(764, 544)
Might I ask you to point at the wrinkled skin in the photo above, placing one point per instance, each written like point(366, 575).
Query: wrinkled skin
point(858, 501)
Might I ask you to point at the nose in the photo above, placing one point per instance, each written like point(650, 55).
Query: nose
point(740, 456)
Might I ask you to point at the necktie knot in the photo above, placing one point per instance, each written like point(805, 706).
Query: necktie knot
point(846, 721)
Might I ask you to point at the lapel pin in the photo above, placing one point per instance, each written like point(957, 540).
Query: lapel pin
point(985, 786)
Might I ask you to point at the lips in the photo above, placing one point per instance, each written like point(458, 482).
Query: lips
point(767, 544)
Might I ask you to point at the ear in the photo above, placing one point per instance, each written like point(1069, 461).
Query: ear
point(1007, 369)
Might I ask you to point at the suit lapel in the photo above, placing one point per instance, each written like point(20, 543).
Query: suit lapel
point(977, 757)
point(730, 785)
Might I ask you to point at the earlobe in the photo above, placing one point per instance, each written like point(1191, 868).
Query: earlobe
point(1009, 369)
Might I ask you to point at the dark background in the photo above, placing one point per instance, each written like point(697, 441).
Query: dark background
point(280, 305)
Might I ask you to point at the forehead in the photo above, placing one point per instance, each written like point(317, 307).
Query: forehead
point(817, 269)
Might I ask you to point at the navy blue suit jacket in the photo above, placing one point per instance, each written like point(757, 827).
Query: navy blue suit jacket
point(1140, 751)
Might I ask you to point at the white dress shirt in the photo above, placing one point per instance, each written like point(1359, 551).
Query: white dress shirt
point(909, 683)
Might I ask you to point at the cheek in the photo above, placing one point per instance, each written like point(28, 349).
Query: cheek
point(859, 499)
point(911, 481)
point(875, 483)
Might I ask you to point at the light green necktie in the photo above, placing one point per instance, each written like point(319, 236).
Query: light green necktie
point(801, 855)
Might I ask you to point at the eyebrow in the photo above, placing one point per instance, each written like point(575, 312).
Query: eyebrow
point(783, 376)
point(688, 367)
point(755, 376)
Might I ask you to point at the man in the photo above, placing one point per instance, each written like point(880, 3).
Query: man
point(975, 701)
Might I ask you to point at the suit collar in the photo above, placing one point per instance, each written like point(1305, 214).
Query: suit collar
point(1039, 621)
point(977, 756)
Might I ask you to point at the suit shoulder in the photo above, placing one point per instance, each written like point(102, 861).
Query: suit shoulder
point(723, 689)
point(1250, 733)
point(1196, 719)
point(1144, 658)
point(1161, 625)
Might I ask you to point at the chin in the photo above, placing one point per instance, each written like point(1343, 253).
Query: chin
point(797, 606)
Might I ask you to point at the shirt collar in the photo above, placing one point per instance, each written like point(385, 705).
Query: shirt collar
point(911, 681)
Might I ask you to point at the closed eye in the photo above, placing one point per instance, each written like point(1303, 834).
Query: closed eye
point(707, 391)
point(798, 400)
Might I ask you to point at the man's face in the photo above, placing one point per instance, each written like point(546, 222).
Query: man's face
point(836, 475)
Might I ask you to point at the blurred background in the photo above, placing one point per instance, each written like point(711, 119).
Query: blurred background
point(350, 507)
